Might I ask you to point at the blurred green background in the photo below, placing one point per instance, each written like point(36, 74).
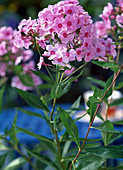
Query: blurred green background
point(13, 11)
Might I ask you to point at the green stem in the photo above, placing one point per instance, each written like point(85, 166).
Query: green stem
point(74, 72)
point(52, 112)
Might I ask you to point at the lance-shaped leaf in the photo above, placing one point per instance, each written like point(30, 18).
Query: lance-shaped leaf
point(74, 106)
point(90, 161)
point(33, 100)
point(70, 126)
point(117, 102)
point(106, 64)
point(15, 164)
point(26, 80)
point(107, 151)
point(12, 132)
point(108, 133)
point(120, 85)
point(99, 82)
point(44, 159)
point(56, 91)
point(108, 83)
point(32, 113)
point(43, 76)
point(40, 137)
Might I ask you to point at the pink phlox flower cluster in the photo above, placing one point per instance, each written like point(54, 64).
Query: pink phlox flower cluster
point(11, 56)
point(66, 31)
point(110, 14)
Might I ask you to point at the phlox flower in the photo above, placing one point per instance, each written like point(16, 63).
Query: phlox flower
point(87, 43)
point(99, 50)
point(90, 54)
point(102, 28)
point(3, 48)
point(119, 20)
point(107, 12)
point(66, 37)
point(80, 54)
point(58, 25)
point(70, 23)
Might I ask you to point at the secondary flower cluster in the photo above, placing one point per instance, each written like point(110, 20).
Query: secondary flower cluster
point(11, 57)
point(110, 16)
point(66, 32)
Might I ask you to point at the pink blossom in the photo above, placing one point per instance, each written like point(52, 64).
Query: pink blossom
point(87, 43)
point(119, 20)
point(102, 28)
point(3, 48)
point(107, 12)
point(90, 54)
point(68, 72)
point(99, 50)
point(70, 22)
point(80, 54)
point(66, 37)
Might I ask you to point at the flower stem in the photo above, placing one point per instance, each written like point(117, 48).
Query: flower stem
point(95, 116)
point(74, 72)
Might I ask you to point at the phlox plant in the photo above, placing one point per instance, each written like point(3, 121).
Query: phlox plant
point(67, 35)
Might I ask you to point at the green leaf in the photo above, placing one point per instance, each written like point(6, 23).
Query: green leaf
point(120, 85)
point(107, 151)
point(45, 86)
point(108, 132)
point(92, 109)
point(56, 91)
point(26, 80)
point(43, 76)
point(18, 69)
point(32, 113)
point(2, 159)
point(15, 164)
point(118, 102)
point(90, 161)
point(33, 100)
point(66, 88)
point(44, 159)
point(74, 106)
point(120, 122)
point(70, 80)
point(12, 132)
point(106, 64)
point(70, 126)
point(1, 97)
point(99, 82)
point(35, 135)
point(109, 93)
point(94, 100)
